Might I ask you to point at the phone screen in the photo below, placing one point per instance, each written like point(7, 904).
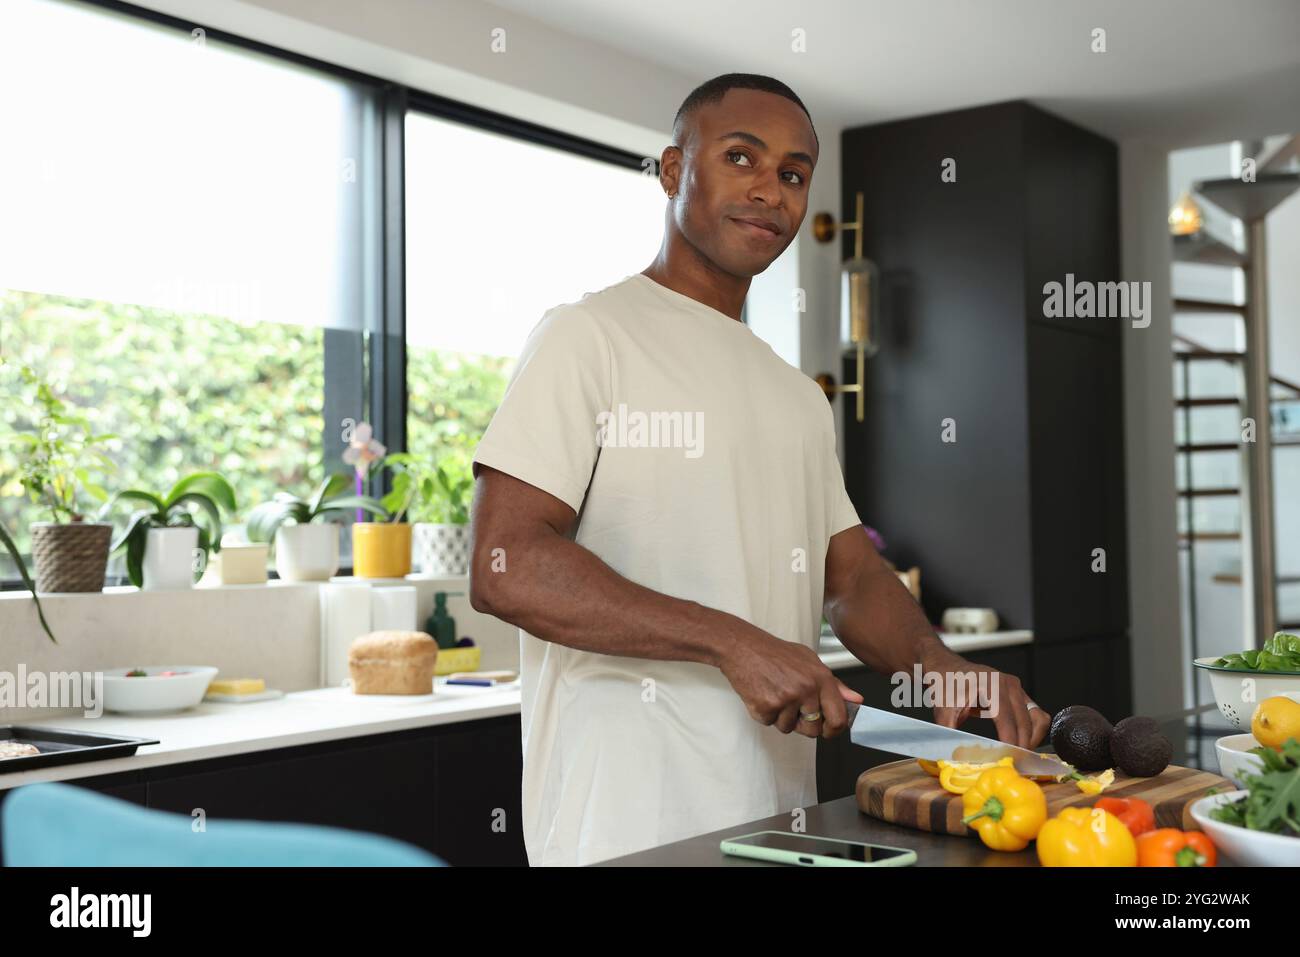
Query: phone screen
point(820, 846)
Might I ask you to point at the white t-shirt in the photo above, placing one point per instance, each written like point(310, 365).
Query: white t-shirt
point(731, 503)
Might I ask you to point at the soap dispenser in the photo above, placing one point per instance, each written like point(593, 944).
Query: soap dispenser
point(441, 626)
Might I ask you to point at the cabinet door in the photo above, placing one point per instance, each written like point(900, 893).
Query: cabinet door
point(479, 795)
point(385, 788)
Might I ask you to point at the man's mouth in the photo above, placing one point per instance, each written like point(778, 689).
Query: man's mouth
point(762, 228)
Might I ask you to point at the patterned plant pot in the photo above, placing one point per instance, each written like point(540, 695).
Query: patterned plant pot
point(440, 549)
point(70, 557)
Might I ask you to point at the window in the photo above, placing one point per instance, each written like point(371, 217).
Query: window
point(188, 248)
point(498, 230)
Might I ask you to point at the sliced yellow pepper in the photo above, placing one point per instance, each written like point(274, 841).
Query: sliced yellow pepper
point(1097, 783)
point(929, 767)
point(1086, 837)
point(1005, 809)
point(958, 777)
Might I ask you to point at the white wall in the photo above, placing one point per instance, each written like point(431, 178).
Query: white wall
point(1155, 630)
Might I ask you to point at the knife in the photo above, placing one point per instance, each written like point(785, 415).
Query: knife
point(899, 734)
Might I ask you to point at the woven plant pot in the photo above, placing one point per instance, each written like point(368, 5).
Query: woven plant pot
point(70, 557)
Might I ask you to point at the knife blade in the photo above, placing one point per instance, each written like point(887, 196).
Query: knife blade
point(900, 734)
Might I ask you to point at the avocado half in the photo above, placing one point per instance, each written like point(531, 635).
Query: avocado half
point(1080, 736)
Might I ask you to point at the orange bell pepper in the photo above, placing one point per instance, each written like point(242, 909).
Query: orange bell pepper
point(1086, 837)
point(1136, 814)
point(1170, 847)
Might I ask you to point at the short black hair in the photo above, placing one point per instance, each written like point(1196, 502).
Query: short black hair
point(712, 91)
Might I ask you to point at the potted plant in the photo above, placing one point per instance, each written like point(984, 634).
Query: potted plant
point(70, 554)
point(306, 540)
point(380, 549)
point(167, 545)
point(440, 513)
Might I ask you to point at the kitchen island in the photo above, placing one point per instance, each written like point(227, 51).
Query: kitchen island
point(1192, 734)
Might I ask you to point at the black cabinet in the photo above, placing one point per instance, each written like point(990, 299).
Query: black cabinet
point(1011, 514)
point(452, 789)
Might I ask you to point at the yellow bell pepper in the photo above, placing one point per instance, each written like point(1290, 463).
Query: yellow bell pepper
point(1005, 809)
point(929, 767)
point(958, 777)
point(1097, 783)
point(1086, 837)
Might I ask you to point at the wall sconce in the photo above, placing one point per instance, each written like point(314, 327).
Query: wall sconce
point(1185, 216)
point(859, 305)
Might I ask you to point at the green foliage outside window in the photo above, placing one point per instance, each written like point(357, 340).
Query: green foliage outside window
point(185, 393)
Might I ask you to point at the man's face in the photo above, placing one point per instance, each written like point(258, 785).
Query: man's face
point(749, 157)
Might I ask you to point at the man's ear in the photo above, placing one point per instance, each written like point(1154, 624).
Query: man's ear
point(670, 169)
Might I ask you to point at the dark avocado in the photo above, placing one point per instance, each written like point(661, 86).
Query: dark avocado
point(1139, 749)
point(1081, 736)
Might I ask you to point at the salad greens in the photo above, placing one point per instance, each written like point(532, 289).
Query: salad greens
point(1280, 653)
point(1272, 802)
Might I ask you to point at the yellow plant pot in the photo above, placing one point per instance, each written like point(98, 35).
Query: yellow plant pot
point(381, 549)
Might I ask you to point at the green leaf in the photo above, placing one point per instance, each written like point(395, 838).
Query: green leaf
point(27, 580)
point(207, 507)
point(209, 484)
point(349, 503)
point(329, 487)
point(134, 495)
point(142, 517)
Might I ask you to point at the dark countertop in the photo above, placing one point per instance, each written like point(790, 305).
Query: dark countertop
point(1191, 734)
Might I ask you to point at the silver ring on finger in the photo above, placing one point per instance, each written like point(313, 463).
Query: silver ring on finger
point(810, 716)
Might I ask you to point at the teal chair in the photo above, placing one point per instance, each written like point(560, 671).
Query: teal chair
point(58, 825)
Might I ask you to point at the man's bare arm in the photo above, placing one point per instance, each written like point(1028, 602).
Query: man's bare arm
point(879, 621)
point(525, 569)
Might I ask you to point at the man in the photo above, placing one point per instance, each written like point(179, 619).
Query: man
point(660, 509)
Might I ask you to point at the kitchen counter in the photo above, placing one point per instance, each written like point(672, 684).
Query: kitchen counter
point(838, 819)
point(213, 730)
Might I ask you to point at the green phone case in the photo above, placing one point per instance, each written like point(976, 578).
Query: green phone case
point(801, 859)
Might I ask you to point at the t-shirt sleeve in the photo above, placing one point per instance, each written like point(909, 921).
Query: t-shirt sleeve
point(839, 507)
point(544, 431)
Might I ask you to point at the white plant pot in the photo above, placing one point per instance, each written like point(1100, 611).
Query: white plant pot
point(169, 558)
point(307, 553)
point(440, 549)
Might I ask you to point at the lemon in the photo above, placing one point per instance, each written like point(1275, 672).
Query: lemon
point(1275, 720)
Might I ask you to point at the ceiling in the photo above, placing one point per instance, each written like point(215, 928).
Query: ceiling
point(1175, 72)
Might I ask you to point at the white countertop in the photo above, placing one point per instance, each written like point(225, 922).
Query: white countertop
point(213, 730)
point(303, 717)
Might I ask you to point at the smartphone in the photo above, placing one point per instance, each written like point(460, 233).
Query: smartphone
point(807, 850)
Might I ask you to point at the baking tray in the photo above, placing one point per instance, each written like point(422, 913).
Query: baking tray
point(59, 746)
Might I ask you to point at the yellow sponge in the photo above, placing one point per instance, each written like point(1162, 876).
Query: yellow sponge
point(237, 686)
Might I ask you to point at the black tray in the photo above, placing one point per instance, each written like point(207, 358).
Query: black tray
point(65, 747)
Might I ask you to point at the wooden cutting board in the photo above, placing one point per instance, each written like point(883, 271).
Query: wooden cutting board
point(902, 793)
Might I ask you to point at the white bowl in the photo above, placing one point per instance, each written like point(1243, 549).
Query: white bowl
point(1242, 845)
point(1234, 756)
point(1237, 699)
point(153, 693)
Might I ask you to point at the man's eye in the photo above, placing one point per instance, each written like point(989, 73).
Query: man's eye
point(796, 173)
point(731, 153)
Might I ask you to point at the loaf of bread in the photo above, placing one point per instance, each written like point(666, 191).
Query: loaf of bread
point(392, 662)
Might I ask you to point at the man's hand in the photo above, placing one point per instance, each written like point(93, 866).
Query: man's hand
point(1016, 722)
point(778, 680)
